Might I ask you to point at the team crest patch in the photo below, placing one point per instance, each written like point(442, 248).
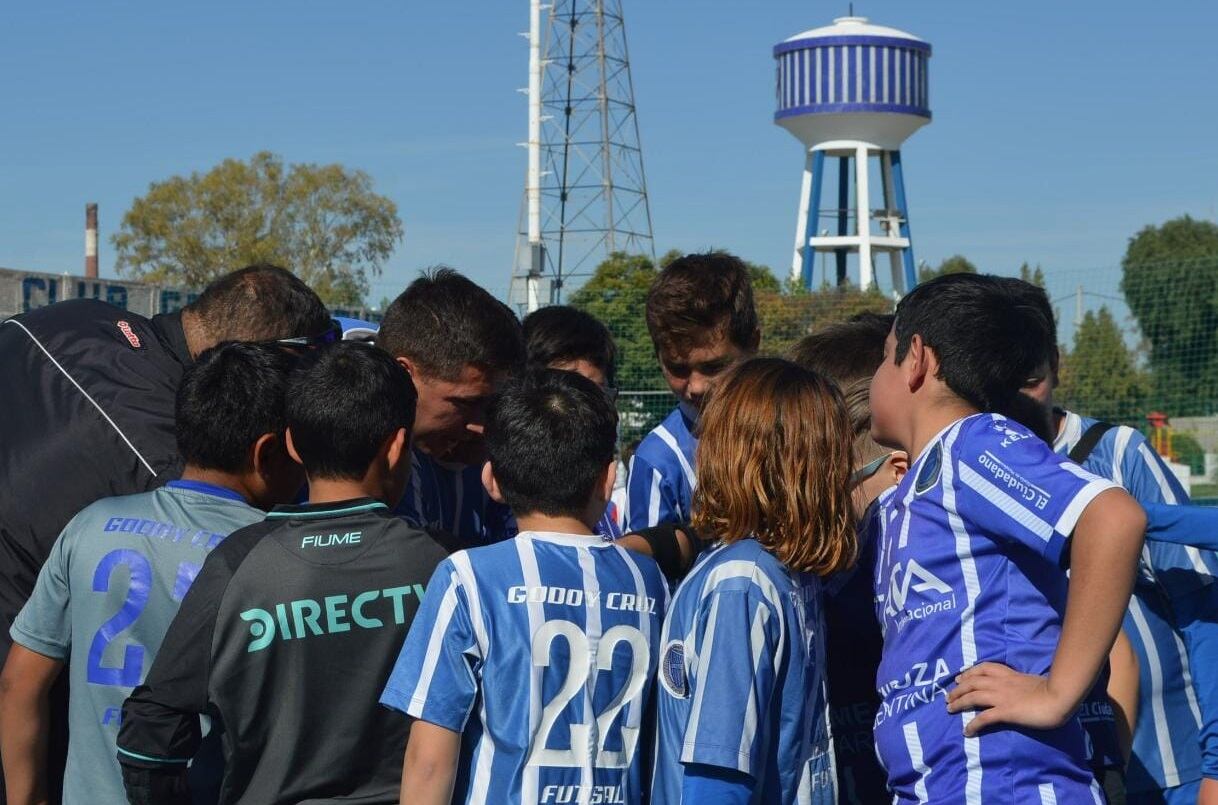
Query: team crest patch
point(672, 670)
point(928, 473)
point(124, 327)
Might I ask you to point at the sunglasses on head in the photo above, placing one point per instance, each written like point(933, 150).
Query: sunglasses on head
point(331, 335)
point(869, 469)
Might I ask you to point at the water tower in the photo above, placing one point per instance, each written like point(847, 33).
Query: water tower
point(852, 92)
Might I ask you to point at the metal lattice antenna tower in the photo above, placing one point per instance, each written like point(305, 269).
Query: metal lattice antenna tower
point(585, 190)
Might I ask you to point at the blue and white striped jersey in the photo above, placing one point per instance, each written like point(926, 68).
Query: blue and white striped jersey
point(452, 498)
point(968, 571)
point(542, 651)
point(742, 678)
point(661, 480)
point(1167, 750)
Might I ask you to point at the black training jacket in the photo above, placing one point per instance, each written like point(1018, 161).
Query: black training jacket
point(87, 412)
point(287, 637)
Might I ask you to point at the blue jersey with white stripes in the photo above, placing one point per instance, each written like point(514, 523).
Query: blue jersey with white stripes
point(968, 571)
point(542, 652)
point(661, 482)
point(742, 678)
point(452, 498)
point(1167, 749)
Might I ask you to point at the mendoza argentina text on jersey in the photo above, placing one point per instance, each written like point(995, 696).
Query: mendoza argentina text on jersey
point(970, 570)
point(103, 601)
point(541, 651)
point(742, 678)
point(1176, 737)
point(287, 636)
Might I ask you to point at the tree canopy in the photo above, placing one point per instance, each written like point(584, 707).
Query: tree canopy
point(1169, 277)
point(956, 264)
point(1100, 376)
point(323, 222)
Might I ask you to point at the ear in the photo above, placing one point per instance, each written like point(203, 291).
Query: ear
point(917, 363)
point(610, 480)
point(262, 454)
point(898, 465)
point(287, 435)
point(397, 449)
point(492, 486)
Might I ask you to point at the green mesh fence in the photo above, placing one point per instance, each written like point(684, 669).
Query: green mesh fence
point(1139, 346)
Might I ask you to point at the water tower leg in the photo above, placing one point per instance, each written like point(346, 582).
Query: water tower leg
point(843, 209)
point(898, 184)
point(890, 204)
point(813, 219)
point(799, 258)
point(862, 219)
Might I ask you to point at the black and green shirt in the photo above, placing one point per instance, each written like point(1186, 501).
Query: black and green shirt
point(287, 638)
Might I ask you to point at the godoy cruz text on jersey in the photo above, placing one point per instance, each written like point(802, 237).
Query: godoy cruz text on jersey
point(575, 597)
point(304, 617)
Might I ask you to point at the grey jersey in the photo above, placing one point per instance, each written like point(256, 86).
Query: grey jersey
point(103, 602)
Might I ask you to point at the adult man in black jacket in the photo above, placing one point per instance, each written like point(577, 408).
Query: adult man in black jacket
point(88, 405)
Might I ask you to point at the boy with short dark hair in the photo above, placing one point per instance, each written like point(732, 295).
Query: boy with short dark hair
point(117, 573)
point(459, 344)
point(563, 337)
point(702, 321)
point(554, 635)
point(292, 625)
point(970, 580)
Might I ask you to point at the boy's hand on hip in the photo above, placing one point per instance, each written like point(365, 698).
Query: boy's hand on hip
point(1002, 695)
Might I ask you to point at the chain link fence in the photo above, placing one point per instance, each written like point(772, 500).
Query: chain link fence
point(1139, 347)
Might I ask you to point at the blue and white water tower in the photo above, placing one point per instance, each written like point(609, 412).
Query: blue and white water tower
point(852, 92)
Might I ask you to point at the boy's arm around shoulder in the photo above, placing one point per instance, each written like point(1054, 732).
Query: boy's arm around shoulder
point(1104, 554)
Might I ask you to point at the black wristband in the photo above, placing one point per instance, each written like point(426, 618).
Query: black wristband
point(666, 549)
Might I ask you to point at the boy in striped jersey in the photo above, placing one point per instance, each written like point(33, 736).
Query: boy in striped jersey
point(459, 344)
point(553, 635)
point(1170, 617)
point(742, 715)
point(971, 587)
point(563, 337)
point(701, 318)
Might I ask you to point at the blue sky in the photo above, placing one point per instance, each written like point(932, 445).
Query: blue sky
point(1059, 129)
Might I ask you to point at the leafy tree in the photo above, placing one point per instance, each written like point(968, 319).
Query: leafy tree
point(1100, 377)
point(1169, 276)
point(956, 264)
point(1033, 275)
point(617, 295)
point(324, 222)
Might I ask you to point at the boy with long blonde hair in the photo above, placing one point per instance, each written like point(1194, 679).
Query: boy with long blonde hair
point(742, 714)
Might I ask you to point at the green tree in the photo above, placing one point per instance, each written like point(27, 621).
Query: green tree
point(956, 264)
point(617, 295)
point(1169, 276)
point(1033, 275)
point(1100, 376)
point(324, 222)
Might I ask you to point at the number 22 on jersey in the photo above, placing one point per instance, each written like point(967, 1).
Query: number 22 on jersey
point(573, 683)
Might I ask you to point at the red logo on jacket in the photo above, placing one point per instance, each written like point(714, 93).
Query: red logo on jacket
point(132, 338)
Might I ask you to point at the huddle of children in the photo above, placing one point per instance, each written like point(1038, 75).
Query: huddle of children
point(962, 609)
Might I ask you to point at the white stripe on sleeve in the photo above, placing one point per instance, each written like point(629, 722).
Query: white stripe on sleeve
point(448, 605)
